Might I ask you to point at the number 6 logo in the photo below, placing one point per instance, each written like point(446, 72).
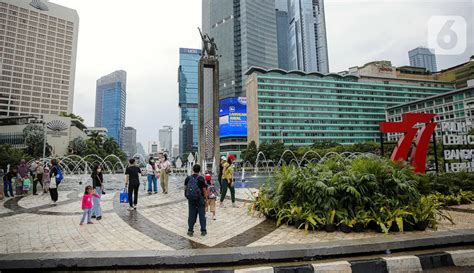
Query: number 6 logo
point(423, 135)
point(447, 35)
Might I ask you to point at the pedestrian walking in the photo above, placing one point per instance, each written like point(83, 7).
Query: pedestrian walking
point(219, 174)
point(165, 170)
point(211, 195)
point(56, 177)
point(196, 193)
point(98, 184)
point(87, 206)
point(152, 172)
point(38, 176)
point(11, 179)
point(228, 180)
point(23, 170)
point(132, 181)
point(46, 178)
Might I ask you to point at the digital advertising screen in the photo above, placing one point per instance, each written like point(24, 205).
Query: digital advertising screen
point(233, 117)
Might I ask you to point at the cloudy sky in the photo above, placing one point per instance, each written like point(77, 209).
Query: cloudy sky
point(143, 38)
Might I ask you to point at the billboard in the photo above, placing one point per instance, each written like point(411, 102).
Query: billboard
point(233, 117)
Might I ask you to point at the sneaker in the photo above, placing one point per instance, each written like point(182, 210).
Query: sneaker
point(93, 216)
point(81, 223)
point(130, 208)
point(90, 223)
point(190, 233)
point(203, 233)
point(149, 192)
point(135, 207)
point(221, 205)
point(99, 218)
point(155, 192)
point(214, 217)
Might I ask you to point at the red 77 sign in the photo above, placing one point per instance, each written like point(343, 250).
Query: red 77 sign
point(423, 135)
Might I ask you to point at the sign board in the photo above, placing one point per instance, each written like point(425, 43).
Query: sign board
point(233, 117)
point(458, 146)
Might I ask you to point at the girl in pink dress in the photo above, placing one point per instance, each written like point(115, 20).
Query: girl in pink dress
point(87, 204)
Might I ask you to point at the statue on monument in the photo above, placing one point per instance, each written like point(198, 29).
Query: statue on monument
point(209, 46)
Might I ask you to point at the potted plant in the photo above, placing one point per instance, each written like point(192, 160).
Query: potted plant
point(361, 218)
point(329, 224)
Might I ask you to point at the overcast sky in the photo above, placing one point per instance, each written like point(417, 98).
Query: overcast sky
point(143, 37)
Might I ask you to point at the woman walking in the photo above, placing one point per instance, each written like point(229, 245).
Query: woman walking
point(165, 170)
point(56, 178)
point(151, 174)
point(228, 180)
point(98, 184)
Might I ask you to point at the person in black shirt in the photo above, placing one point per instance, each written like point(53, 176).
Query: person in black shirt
point(219, 174)
point(197, 206)
point(98, 184)
point(132, 180)
point(53, 187)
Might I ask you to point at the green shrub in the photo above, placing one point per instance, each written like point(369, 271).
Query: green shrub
point(362, 190)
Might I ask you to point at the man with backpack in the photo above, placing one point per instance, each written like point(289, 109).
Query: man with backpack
point(195, 190)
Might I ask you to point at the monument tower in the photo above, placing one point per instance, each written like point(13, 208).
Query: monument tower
point(208, 102)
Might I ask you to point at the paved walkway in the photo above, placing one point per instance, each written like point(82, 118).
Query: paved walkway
point(32, 224)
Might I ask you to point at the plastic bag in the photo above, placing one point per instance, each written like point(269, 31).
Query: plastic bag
point(124, 196)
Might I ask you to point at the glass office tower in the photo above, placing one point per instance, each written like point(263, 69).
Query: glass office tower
point(188, 99)
point(245, 33)
point(110, 104)
point(308, 49)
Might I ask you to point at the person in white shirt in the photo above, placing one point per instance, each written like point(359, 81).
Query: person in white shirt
point(151, 174)
point(165, 170)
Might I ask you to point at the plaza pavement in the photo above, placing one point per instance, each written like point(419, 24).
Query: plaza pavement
point(32, 225)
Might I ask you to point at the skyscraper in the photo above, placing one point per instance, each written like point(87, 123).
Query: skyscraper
point(245, 33)
point(423, 57)
point(130, 141)
point(165, 138)
point(282, 37)
point(307, 41)
point(188, 99)
point(37, 67)
point(110, 103)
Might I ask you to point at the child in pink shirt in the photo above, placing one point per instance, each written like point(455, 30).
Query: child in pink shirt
point(87, 204)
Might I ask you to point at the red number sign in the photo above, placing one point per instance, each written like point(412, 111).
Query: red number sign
point(423, 135)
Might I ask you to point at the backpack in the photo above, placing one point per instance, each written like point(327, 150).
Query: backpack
point(192, 191)
point(212, 192)
point(59, 176)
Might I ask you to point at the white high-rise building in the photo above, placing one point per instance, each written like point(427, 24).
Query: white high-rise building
point(166, 139)
point(38, 43)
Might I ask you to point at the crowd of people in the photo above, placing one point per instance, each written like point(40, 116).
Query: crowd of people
point(200, 191)
point(20, 178)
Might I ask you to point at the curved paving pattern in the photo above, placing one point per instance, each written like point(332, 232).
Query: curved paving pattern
point(31, 224)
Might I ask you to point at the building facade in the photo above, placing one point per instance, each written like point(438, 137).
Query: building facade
point(165, 139)
point(301, 108)
point(129, 141)
point(188, 99)
point(423, 57)
point(245, 34)
point(38, 44)
point(60, 131)
point(453, 106)
point(110, 104)
point(307, 41)
point(459, 74)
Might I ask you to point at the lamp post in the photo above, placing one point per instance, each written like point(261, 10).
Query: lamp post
point(44, 140)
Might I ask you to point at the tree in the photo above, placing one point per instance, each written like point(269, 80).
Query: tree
point(77, 146)
point(34, 138)
point(250, 154)
point(12, 156)
point(71, 115)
